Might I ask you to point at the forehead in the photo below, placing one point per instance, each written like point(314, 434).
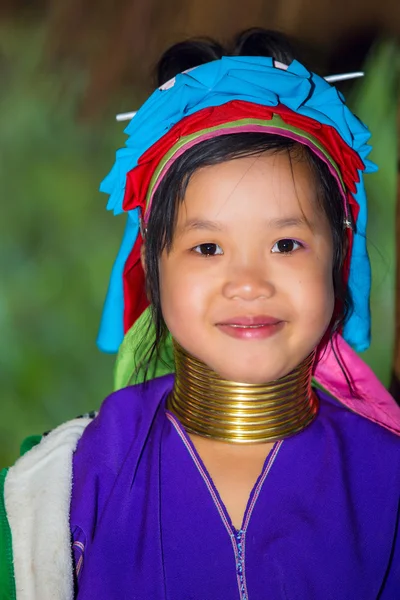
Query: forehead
point(265, 186)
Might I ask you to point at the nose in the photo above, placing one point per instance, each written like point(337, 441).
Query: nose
point(248, 283)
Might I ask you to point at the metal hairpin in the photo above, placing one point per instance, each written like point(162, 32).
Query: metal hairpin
point(348, 224)
point(329, 78)
point(142, 228)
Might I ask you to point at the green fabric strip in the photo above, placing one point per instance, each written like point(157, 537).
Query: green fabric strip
point(134, 363)
point(29, 443)
point(276, 122)
point(7, 580)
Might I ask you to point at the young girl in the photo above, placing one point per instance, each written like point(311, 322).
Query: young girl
point(258, 457)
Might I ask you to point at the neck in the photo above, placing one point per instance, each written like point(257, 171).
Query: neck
point(212, 407)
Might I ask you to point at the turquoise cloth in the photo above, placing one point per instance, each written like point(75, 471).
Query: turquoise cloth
point(251, 79)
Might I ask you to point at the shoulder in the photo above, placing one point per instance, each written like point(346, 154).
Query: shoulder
point(115, 439)
point(362, 441)
point(125, 415)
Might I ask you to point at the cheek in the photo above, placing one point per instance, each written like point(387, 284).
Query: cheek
point(184, 295)
point(316, 297)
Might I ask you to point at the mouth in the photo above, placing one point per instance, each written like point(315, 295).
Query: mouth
point(251, 327)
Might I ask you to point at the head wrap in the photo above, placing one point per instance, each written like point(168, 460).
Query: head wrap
point(235, 94)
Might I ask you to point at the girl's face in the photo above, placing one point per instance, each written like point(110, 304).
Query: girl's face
point(247, 285)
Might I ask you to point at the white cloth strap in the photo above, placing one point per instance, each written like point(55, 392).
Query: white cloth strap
point(37, 495)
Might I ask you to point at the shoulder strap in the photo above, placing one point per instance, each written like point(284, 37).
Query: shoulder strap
point(37, 496)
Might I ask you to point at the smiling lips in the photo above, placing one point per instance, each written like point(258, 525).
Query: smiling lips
point(251, 328)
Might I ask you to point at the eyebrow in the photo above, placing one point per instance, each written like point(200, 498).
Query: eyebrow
point(278, 223)
point(204, 224)
point(295, 221)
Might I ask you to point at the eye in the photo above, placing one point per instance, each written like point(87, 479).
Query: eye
point(286, 246)
point(208, 249)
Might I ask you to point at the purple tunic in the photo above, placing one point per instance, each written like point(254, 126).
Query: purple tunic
point(147, 522)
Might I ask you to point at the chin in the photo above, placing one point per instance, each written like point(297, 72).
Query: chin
point(241, 374)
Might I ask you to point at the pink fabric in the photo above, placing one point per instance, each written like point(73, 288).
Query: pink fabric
point(369, 399)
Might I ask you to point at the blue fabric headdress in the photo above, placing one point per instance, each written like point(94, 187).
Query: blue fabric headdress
point(254, 80)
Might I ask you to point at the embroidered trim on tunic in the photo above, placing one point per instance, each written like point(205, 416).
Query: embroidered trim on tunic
point(78, 550)
point(238, 538)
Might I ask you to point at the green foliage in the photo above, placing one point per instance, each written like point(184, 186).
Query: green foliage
point(57, 244)
point(375, 101)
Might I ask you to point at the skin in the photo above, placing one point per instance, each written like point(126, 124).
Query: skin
point(245, 207)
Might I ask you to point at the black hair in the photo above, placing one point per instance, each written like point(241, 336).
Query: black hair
point(186, 55)
point(171, 191)
point(261, 42)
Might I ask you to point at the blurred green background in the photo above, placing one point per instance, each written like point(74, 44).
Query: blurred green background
point(57, 242)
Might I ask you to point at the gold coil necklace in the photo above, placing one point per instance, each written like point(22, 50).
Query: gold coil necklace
point(246, 413)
